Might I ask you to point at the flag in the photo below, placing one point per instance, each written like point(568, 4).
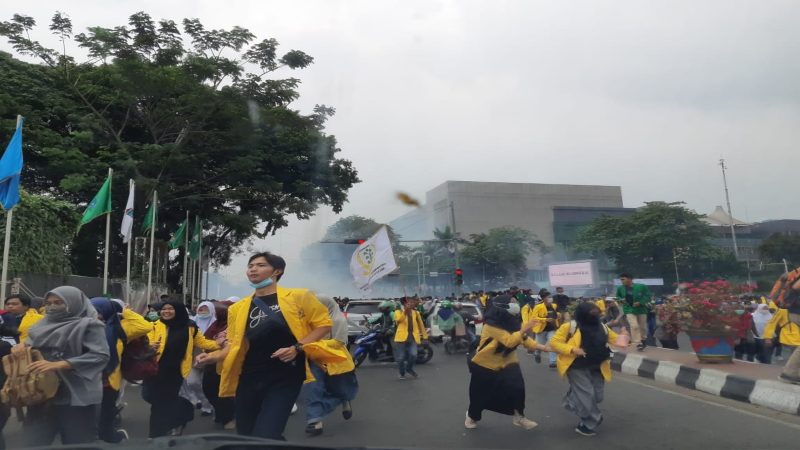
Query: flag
point(100, 204)
point(373, 260)
point(196, 241)
point(179, 236)
point(10, 169)
point(127, 220)
point(147, 223)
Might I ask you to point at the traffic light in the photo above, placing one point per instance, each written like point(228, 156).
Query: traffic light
point(355, 241)
point(459, 277)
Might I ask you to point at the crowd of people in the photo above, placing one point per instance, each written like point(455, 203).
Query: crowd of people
point(246, 360)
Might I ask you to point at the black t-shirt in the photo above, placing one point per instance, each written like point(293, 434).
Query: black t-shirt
point(561, 301)
point(551, 314)
point(629, 295)
point(267, 331)
point(410, 324)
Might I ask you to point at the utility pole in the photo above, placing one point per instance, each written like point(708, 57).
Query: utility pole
point(455, 241)
point(730, 213)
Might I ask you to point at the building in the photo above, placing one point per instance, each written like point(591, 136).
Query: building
point(748, 235)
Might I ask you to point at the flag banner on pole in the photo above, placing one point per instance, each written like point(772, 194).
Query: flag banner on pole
point(127, 220)
point(147, 223)
point(10, 169)
point(100, 204)
point(178, 238)
point(373, 260)
point(195, 242)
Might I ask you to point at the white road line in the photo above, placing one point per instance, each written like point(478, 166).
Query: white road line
point(708, 402)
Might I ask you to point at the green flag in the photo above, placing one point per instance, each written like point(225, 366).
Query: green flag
point(100, 204)
point(179, 237)
point(196, 241)
point(147, 223)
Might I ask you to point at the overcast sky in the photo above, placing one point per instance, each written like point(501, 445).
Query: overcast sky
point(647, 95)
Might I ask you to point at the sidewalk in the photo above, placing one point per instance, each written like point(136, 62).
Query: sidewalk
point(744, 381)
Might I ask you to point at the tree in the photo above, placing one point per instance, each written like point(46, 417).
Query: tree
point(500, 253)
point(42, 233)
point(646, 243)
point(780, 246)
point(190, 120)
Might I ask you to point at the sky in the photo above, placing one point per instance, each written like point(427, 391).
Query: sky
point(646, 95)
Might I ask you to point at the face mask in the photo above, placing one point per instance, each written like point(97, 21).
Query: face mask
point(513, 308)
point(262, 284)
point(56, 312)
point(205, 315)
point(152, 316)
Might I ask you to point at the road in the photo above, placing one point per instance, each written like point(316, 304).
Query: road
point(429, 413)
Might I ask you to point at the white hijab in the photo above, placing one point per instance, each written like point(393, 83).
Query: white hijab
point(204, 323)
point(761, 317)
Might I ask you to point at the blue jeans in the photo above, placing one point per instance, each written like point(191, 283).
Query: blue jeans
point(405, 353)
point(325, 394)
point(543, 338)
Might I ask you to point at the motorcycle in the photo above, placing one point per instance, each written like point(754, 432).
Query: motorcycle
point(456, 344)
point(373, 345)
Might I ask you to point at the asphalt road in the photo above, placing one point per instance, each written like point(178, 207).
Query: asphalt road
point(429, 413)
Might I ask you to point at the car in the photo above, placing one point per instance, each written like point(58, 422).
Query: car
point(473, 310)
point(358, 312)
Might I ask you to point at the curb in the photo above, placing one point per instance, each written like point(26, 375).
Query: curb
point(771, 394)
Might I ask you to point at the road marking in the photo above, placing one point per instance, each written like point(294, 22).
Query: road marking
point(712, 403)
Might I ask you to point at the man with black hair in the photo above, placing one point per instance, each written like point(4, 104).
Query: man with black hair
point(636, 299)
point(20, 315)
point(410, 332)
point(561, 301)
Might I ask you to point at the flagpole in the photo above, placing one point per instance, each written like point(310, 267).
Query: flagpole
point(154, 205)
point(185, 257)
point(131, 187)
point(108, 238)
point(192, 267)
point(7, 246)
point(200, 266)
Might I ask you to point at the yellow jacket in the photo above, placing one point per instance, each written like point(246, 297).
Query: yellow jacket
point(302, 312)
point(525, 313)
point(134, 326)
point(790, 332)
point(563, 343)
point(196, 339)
point(28, 319)
point(601, 304)
point(401, 324)
point(498, 348)
point(540, 312)
point(331, 355)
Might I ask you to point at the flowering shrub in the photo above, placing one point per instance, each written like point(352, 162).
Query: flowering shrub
point(703, 306)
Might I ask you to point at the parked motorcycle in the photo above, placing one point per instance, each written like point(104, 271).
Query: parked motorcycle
point(374, 345)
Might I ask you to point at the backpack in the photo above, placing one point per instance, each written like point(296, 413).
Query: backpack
point(23, 388)
point(139, 360)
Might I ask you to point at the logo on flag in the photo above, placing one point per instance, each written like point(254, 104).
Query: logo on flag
point(373, 260)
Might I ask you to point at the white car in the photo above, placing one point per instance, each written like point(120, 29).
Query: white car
point(471, 308)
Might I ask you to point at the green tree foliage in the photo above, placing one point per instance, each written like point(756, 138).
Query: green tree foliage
point(201, 115)
point(501, 252)
point(643, 243)
point(780, 246)
point(42, 231)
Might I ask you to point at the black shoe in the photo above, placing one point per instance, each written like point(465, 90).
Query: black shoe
point(206, 413)
point(537, 358)
point(641, 347)
point(581, 429)
point(347, 410)
point(599, 422)
point(314, 429)
point(552, 366)
point(412, 373)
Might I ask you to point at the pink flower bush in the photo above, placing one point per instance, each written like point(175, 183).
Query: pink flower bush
point(703, 306)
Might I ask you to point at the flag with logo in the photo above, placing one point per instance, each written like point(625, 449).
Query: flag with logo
point(196, 241)
point(373, 260)
point(127, 220)
point(100, 204)
point(179, 237)
point(10, 170)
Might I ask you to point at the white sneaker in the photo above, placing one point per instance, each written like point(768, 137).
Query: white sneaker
point(524, 422)
point(294, 408)
point(230, 425)
point(469, 423)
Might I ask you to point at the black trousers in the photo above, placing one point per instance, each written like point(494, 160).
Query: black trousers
point(263, 406)
point(223, 406)
point(108, 411)
point(74, 424)
point(5, 414)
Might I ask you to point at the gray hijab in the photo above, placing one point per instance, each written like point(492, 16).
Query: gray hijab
point(339, 328)
point(74, 335)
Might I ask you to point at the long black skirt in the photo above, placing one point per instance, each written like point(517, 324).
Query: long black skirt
point(501, 391)
point(168, 409)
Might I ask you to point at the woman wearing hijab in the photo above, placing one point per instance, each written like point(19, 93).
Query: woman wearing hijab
point(223, 407)
point(584, 358)
point(264, 363)
point(192, 388)
point(496, 383)
point(761, 317)
point(174, 337)
point(122, 326)
point(335, 384)
point(74, 345)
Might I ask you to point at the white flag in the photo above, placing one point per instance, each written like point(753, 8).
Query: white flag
point(373, 260)
point(127, 220)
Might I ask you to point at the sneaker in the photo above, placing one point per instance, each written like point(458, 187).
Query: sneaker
point(122, 435)
point(347, 410)
point(524, 422)
point(413, 374)
point(789, 379)
point(779, 358)
point(314, 429)
point(206, 413)
point(294, 408)
point(641, 347)
point(470, 423)
point(401, 377)
point(581, 429)
point(552, 365)
point(537, 357)
point(230, 426)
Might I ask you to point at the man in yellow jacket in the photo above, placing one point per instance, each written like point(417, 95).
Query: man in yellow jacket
point(410, 333)
point(788, 318)
point(20, 314)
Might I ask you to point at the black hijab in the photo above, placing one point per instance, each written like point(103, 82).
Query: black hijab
point(594, 340)
point(498, 316)
point(177, 337)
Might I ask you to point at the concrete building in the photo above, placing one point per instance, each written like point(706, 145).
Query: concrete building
point(477, 207)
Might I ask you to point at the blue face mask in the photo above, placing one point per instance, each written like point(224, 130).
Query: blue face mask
point(262, 284)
